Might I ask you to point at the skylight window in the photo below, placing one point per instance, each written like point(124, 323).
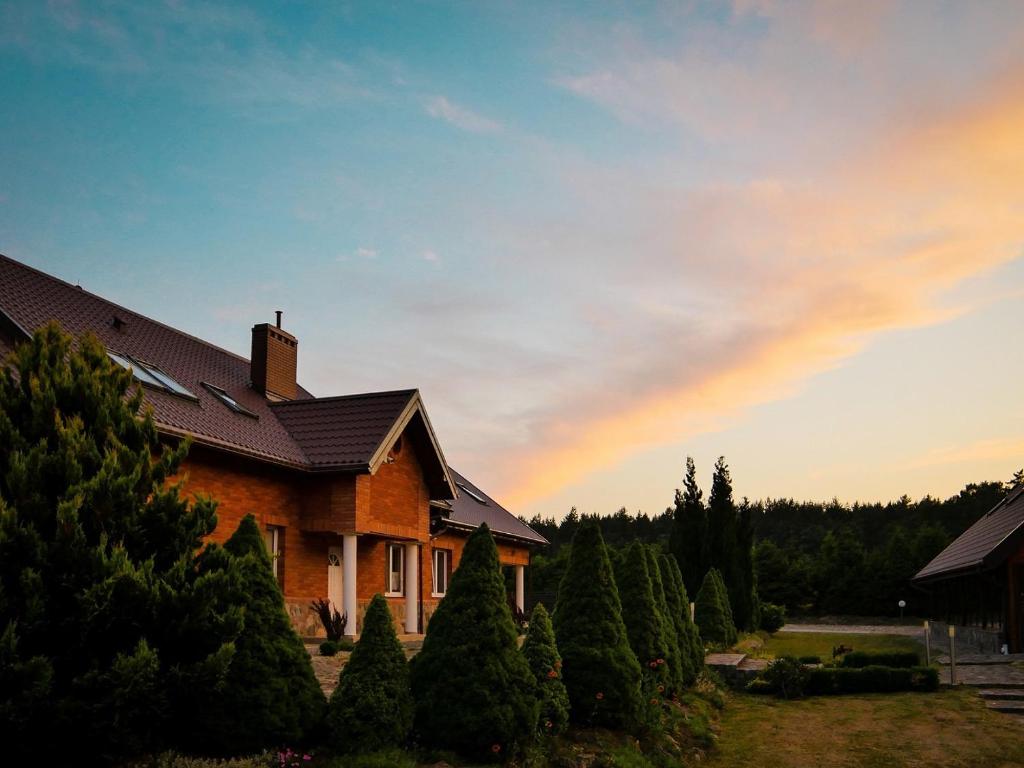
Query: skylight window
point(151, 375)
point(228, 400)
point(472, 494)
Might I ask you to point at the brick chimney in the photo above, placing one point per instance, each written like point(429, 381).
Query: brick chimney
point(273, 361)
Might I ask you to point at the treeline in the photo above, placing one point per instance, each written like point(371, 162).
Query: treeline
point(811, 557)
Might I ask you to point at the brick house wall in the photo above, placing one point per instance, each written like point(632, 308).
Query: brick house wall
point(391, 506)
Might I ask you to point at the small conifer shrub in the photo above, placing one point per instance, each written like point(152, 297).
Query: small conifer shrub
point(644, 625)
point(473, 690)
point(542, 654)
point(714, 618)
point(673, 655)
point(691, 650)
point(601, 671)
point(271, 695)
point(371, 709)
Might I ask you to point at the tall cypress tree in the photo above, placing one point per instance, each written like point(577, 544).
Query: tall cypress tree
point(691, 650)
point(722, 526)
point(271, 696)
point(542, 655)
point(371, 709)
point(744, 595)
point(108, 633)
point(601, 672)
point(473, 689)
point(688, 539)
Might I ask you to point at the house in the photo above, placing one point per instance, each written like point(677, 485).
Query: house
point(353, 493)
point(977, 582)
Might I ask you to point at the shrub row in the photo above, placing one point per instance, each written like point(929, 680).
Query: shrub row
point(871, 679)
point(859, 659)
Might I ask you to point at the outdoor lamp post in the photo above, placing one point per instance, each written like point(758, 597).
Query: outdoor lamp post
point(902, 604)
point(952, 655)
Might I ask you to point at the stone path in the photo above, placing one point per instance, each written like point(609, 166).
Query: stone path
point(327, 668)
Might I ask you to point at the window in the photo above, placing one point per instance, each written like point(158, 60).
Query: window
point(472, 494)
point(151, 375)
point(442, 570)
point(274, 536)
point(396, 570)
point(228, 400)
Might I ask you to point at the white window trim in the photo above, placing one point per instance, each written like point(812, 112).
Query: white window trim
point(447, 572)
point(274, 546)
point(391, 547)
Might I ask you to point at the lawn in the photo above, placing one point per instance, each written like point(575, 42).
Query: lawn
point(949, 728)
point(821, 644)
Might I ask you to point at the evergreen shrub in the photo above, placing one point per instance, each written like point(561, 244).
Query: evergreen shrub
point(270, 696)
point(473, 689)
point(542, 655)
point(371, 709)
point(786, 677)
point(876, 679)
point(867, 659)
point(772, 617)
point(690, 646)
point(600, 670)
point(713, 615)
point(328, 648)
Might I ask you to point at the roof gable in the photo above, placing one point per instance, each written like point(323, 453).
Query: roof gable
point(985, 544)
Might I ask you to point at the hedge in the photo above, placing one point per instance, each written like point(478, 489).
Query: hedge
point(858, 659)
point(871, 679)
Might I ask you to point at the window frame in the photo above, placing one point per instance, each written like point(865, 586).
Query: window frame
point(389, 569)
point(274, 539)
point(446, 571)
point(152, 376)
point(229, 402)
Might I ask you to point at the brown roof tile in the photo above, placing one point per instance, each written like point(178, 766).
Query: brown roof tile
point(985, 544)
point(473, 507)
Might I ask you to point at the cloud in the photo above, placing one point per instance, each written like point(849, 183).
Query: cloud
point(366, 253)
point(427, 255)
point(1009, 451)
point(465, 119)
point(792, 277)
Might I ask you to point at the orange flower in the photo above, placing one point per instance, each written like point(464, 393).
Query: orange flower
point(661, 689)
point(653, 664)
point(654, 701)
point(552, 673)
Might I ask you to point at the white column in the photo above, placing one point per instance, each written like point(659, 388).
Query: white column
point(348, 559)
point(412, 588)
point(521, 587)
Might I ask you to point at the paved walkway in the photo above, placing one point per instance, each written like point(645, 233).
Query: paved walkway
point(858, 629)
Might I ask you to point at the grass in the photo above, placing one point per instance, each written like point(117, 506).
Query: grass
point(799, 644)
point(910, 730)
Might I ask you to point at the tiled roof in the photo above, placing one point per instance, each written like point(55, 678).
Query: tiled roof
point(985, 544)
point(330, 432)
point(343, 431)
point(473, 507)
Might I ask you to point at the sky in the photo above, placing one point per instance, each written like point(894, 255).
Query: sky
point(598, 237)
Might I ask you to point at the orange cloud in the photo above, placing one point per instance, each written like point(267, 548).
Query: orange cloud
point(826, 265)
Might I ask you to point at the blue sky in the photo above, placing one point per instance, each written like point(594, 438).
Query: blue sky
point(599, 237)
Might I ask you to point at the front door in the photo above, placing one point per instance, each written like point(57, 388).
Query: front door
point(334, 578)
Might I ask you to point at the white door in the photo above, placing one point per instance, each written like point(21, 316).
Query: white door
point(334, 578)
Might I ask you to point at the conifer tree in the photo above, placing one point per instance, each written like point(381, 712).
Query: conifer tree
point(542, 655)
point(744, 594)
point(714, 617)
point(722, 525)
point(271, 696)
point(601, 672)
point(371, 709)
point(689, 536)
point(108, 633)
point(691, 650)
point(473, 690)
point(644, 625)
point(673, 654)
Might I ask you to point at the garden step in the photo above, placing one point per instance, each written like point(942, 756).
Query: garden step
point(727, 660)
point(1003, 694)
point(1011, 707)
